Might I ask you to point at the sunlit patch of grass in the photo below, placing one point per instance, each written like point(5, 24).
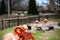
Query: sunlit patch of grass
point(57, 31)
point(53, 38)
point(37, 35)
point(56, 35)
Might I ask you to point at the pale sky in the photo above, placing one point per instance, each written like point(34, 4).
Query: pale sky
point(40, 1)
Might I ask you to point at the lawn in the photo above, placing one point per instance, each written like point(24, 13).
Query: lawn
point(56, 35)
point(5, 31)
point(36, 35)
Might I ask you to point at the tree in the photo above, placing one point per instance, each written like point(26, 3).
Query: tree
point(16, 4)
point(3, 8)
point(32, 8)
point(57, 6)
point(52, 6)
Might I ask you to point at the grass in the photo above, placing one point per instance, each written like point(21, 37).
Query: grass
point(2, 33)
point(56, 35)
point(36, 34)
point(57, 31)
point(5, 31)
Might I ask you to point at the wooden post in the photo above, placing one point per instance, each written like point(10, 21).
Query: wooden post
point(9, 23)
point(2, 25)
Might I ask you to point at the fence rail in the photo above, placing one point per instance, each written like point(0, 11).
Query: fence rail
point(9, 22)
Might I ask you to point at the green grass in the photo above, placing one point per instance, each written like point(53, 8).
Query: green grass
point(57, 31)
point(56, 35)
point(36, 35)
point(5, 31)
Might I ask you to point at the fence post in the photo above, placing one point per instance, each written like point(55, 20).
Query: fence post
point(18, 19)
point(13, 23)
point(46, 16)
point(29, 19)
point(5, 24)
point(38, 17)
point(2, 24)
point(8, 23)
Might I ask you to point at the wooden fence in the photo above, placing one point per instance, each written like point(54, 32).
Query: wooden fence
point(9, 22)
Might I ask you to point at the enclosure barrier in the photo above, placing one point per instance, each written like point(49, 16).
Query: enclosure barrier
point(10, 22)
